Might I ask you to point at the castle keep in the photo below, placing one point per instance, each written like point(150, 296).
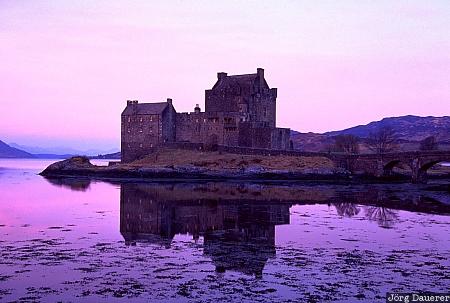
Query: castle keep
point(240, 110)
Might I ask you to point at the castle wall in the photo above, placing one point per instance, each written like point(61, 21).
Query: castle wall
point(218, 101)
point(209, 128)
point(281, 138)
point(256, 135)
point(169, 124)
point(140, 135)
point(262, 107)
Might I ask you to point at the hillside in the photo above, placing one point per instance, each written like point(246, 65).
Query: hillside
point(7, 151)
point(410, 130)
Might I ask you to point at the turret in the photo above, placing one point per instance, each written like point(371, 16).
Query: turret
point(197, 109)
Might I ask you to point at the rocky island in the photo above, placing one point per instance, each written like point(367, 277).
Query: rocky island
point(188, 164)
point(169, 163)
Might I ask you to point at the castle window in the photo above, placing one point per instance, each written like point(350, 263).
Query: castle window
point(128, 131)
point(141, 130)
point(204, 120)
point(129, 119)
point(141, 119)
point(140, 145)
point(151, 118)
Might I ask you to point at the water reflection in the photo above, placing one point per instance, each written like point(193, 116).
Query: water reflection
point(385, 217)
point(196, 208)
point(237, 220)
point(237, 236)
point(303, 242)
point(346, 209)
point(76, 184)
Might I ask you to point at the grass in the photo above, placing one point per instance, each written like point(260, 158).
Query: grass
point(219, 161)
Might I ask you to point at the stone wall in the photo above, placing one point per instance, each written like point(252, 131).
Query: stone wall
point(208, 128)
point(140, 134)
point(281, 138)
point(169, 124)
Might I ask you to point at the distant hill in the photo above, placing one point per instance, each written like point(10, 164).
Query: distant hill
point(7, 151)
point(409, 130)
point(61, 150)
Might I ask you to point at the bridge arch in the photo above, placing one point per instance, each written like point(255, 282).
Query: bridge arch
point(422, 171)
point(389, 166)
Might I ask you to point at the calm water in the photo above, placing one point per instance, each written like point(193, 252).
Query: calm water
point(74, 240)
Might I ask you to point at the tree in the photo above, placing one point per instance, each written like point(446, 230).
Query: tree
point(429, 143)
point(382, 141)
point(346, 143)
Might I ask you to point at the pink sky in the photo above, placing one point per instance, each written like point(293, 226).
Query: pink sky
point(67, 68)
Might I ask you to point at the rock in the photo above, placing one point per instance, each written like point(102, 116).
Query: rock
point(74, 163)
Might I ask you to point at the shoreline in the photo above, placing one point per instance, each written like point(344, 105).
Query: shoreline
point(81, 167)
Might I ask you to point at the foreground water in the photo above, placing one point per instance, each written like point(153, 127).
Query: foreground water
point(74, 240)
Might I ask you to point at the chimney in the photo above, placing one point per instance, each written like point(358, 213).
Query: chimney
point(169, 100)
point(260, 73)
point(129, 102)
point(197, 109)
point(221, 75)
point(135, 101)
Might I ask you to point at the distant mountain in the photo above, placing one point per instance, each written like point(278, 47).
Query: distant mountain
point(409, 130)
point(61, 150)
point(7, 151)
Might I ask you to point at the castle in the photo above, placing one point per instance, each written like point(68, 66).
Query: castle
point(240, 110)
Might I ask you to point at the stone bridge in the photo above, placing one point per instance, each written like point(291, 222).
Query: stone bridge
point(382, 165)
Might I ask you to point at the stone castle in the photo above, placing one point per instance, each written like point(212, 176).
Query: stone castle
point(240, 111)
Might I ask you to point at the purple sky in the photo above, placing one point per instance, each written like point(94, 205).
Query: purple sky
point(67, 68)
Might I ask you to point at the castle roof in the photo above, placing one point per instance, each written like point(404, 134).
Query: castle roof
point(245, 81)
point(145, 108)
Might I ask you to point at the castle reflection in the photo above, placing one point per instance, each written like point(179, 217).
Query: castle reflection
point(237, 220)
point(237, 236)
